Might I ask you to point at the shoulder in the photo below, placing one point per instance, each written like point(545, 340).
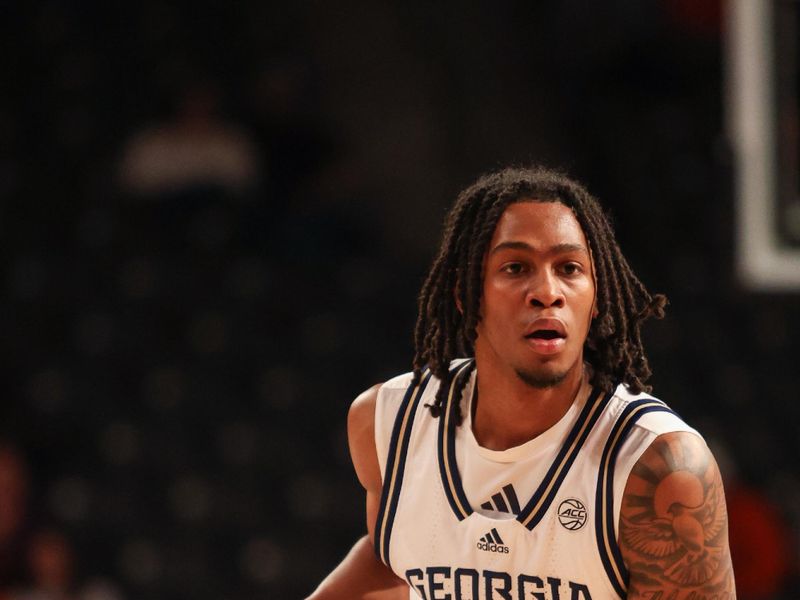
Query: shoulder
point(650, 415)
point(382, 398)
point(361, 437)
point(673, 522)
point(369, 424)
point(362, 409)
point(677, 459)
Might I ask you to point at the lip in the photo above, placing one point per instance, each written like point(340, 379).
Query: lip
point(541, 346)
point(546, 346)
point(554, 324)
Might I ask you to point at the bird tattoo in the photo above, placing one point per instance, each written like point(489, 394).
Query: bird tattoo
point(682, 530)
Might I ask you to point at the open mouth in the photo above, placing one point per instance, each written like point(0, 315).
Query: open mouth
point(545, 334)
point(546, 341)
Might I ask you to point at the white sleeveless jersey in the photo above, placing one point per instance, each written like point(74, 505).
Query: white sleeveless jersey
point(535, 522)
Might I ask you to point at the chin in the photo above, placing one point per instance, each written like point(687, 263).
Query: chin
point(541, 379)
point(547, 375)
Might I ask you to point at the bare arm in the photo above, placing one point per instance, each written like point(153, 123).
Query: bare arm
point(361, 574)
point(674, 525)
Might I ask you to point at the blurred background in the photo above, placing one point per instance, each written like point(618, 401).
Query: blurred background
point(215, 219)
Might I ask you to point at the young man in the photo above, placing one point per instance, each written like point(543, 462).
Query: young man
point(539, 468)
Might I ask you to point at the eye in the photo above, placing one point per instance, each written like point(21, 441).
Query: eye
point(513, 268)
point(571, 268)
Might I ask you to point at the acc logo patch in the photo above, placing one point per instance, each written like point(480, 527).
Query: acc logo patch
point(572, 514)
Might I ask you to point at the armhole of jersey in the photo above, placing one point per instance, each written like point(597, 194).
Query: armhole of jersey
point(605, 516)
point(382, 429)
point(394, 465)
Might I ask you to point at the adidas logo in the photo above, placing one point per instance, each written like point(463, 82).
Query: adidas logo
point(492, 542)
point(504, 501)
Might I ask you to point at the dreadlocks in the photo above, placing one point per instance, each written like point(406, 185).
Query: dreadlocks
point(443, 332)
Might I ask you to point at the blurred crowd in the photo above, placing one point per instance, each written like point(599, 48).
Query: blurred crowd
point(37, 559)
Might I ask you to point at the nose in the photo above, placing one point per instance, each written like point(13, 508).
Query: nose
point(545, 291)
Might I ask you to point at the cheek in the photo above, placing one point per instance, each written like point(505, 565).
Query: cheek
point(589, 311)
point(494, 312)
point(584, 302)
point(504, 294)
point(496, 307)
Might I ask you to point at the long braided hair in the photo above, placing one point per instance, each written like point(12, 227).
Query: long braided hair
point(443, 332)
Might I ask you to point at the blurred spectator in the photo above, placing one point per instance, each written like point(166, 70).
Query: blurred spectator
point(297, 144)
point(50, 563)
point(52, 572)
point(195, 148)
point(760, 545)
point(759, 534)
point(300, 154)
point(14, 490)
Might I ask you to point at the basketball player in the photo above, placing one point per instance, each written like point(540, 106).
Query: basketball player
point(523, 457)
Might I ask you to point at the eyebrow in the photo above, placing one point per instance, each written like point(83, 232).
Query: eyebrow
point(557, 249)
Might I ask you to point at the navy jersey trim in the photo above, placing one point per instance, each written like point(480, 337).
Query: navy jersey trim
point(446, 447)
point(541, 500)
point(610, 554)
point(395, 466)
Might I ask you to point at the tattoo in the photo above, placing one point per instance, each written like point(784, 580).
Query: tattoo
point(674, 524)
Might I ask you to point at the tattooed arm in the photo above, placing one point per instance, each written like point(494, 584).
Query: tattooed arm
point(674, 525)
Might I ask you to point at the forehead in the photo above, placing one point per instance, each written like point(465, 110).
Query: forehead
point(539, 224)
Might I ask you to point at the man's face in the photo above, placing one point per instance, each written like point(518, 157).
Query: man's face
point(538, 294)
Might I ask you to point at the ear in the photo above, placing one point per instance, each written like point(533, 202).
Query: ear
point(457, 300)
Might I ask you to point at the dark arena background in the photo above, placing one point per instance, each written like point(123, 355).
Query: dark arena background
point(216, 216)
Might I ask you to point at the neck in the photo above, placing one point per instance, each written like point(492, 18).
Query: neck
point(510, 412)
